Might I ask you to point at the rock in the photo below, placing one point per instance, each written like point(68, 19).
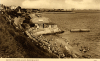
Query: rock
point(40, 43)
point(74, 55)
point(84, 50)
point(40, 35)
point(62, 55)
point(49, 48)
point(52, 39)
point(52, 49)
point(55, 51)
point(44, 47)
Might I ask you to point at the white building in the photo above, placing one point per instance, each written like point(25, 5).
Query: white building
point(13, 7)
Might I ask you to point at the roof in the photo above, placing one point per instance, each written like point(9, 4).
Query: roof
point(18, 20)
point(40, 20)
point(32, 15)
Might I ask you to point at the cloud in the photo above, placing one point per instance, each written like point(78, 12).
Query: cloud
point(11, 2)
point(43, 3)
point(6, 2)
point(66, 4)
point(36, 4)
point(82, 4)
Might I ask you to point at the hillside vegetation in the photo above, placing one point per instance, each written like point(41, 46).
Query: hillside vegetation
point(14, 44)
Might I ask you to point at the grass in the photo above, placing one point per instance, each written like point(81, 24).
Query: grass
point(16, 45)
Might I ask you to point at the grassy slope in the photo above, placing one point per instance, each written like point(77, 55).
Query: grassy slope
point(17, 45)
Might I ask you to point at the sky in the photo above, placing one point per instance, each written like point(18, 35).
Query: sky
point(57, 4)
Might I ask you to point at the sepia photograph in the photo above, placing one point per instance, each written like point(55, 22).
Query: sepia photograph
point(65, 29)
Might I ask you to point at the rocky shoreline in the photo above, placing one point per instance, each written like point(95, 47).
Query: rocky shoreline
point(50, 45)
